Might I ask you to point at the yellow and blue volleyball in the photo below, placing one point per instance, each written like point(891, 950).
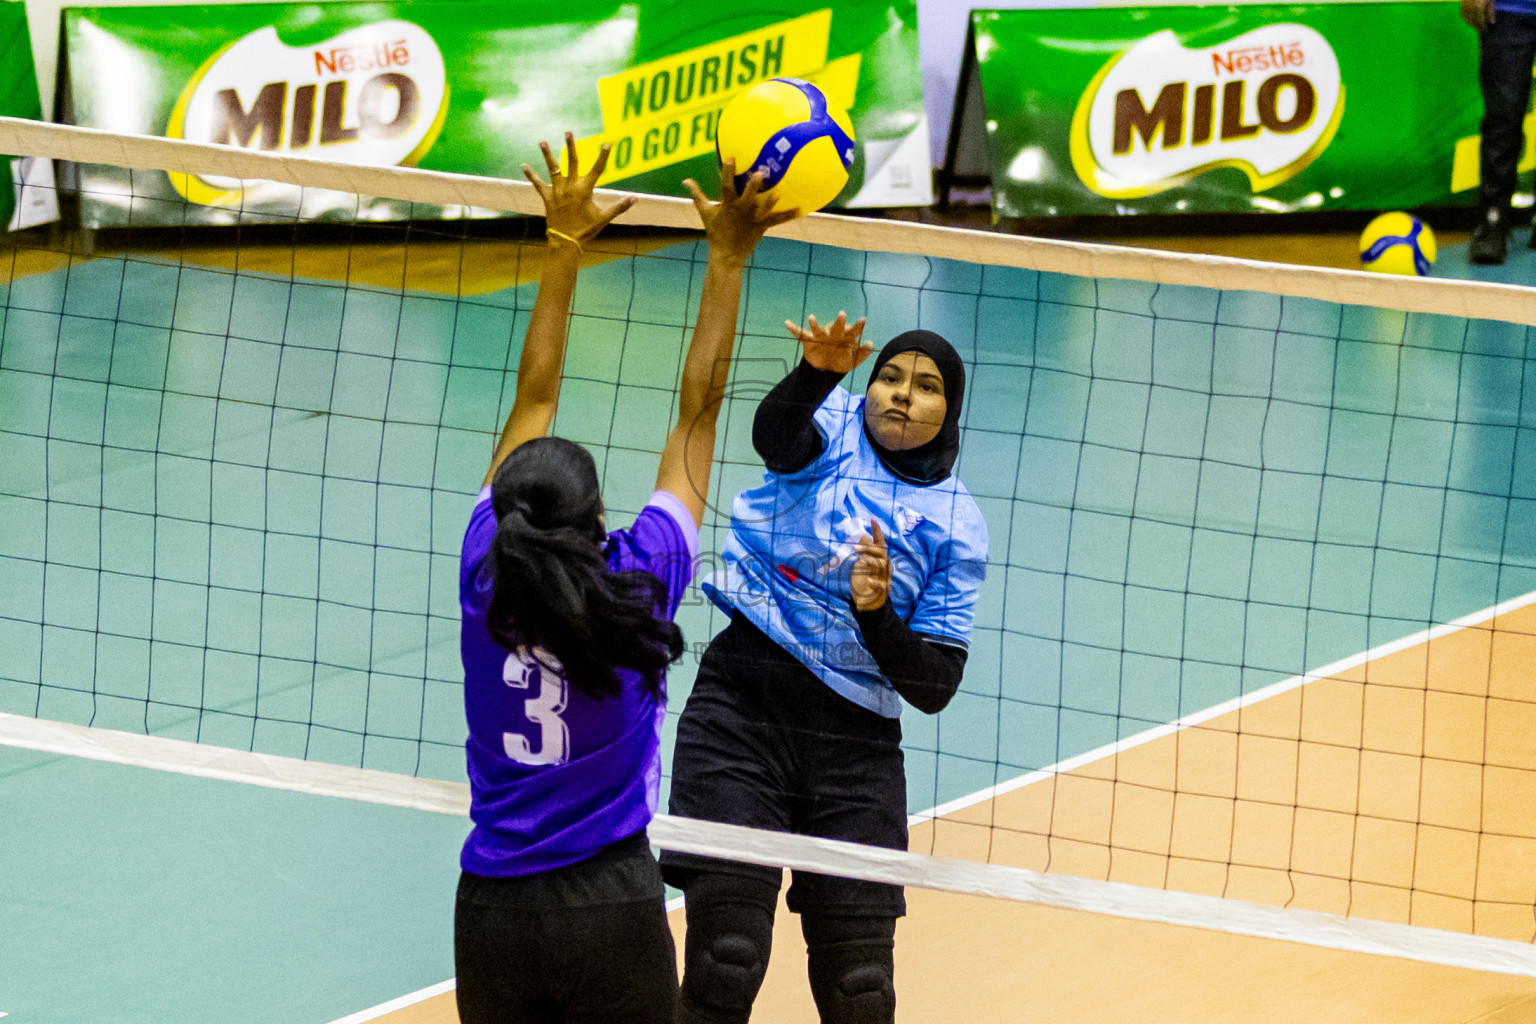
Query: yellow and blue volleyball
point(787, 129)
point(1397, 243)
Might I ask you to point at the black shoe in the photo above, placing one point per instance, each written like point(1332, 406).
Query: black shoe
point(1490, 239)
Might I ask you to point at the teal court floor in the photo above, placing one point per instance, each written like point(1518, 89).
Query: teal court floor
point(1519, 266)
point(231, 505)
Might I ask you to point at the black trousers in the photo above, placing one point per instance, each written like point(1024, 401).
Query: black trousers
point(763, 742)
point(1507, 50)
point(583, 944)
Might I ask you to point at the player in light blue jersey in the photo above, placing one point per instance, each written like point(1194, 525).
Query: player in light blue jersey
point(851, 576)
point(567, 633)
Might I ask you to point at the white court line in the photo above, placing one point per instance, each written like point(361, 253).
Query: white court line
point(1211, 913)
point(1226, 707)
point(829, 856)
point(1331, 923)
point(399, 1003)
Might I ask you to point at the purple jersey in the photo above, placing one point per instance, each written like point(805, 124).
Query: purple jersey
point(555, 775)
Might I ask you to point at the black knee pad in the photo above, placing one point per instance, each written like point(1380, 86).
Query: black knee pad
point(724, 974)
point(852, 967)
point(864, 995)
point(725, 954)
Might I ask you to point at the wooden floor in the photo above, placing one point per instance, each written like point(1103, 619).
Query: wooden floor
point(965, 958)
point(1399, 790)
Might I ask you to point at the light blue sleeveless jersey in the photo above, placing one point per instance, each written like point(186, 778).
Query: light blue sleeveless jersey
point(786, 566)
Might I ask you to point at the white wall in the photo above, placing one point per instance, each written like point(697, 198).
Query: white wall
point(941, 41)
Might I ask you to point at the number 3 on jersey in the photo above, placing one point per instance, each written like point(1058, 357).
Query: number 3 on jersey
point(524, 671)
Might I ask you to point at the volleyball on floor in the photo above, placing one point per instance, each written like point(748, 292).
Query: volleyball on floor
point(789, 130)
point(1397, 243)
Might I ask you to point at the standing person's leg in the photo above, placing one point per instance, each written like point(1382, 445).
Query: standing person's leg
point(1506, 49)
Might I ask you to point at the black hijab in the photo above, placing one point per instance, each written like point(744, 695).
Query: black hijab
point(928, 463)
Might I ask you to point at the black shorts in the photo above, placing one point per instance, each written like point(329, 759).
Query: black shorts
point(583, 943)
point(762, 742)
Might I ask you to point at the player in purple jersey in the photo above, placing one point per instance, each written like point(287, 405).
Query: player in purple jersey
point(567, 633)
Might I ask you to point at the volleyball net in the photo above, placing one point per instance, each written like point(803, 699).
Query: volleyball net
point(1254, 648)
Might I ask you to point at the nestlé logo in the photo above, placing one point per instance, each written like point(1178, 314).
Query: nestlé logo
point(372, 95)
point(1158, 114)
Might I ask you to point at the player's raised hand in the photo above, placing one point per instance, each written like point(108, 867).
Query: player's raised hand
point(571, 215)
point(837, 347)
point(871, 574)
point(736, 223)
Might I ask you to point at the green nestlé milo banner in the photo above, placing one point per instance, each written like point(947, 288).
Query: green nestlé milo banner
point(1216, 109)
point(471, 86)
point(27, 196)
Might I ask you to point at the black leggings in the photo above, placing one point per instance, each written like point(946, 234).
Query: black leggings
point(850, 957)
point(763, 742)
point(584, 944)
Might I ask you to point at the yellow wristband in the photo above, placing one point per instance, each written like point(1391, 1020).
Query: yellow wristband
point(552, 233)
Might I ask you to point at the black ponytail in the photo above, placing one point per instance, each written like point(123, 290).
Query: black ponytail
point(550, 578)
